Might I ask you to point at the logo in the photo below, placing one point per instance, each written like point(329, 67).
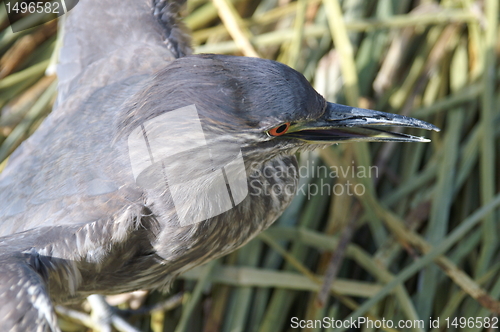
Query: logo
point(26, 14)
point(204, 172)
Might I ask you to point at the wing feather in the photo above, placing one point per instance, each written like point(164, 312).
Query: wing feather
point(107, 40)
point(24, 300)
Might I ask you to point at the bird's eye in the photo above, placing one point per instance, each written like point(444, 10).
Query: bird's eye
point(280, 130)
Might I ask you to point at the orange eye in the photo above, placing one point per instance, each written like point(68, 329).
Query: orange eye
point(280, 130)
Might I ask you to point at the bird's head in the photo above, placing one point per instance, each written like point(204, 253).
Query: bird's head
point(264, 107)
point(207, 122)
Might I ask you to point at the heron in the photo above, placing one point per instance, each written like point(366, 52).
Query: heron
point(142, 169)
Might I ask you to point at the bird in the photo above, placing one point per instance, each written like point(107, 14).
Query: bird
point(152, 160)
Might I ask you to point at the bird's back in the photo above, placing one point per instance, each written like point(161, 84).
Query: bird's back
point(110, 49)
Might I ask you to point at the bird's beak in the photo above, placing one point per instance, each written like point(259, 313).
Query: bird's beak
point(342, 123)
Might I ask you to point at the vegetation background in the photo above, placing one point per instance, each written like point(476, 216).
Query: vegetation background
point(423, 239)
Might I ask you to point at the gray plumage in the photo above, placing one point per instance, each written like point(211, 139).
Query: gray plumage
point(73, 219)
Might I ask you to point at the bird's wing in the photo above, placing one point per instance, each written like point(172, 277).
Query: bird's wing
point(107, 40)
point(52, 263)
point(65, 170)
point(71, 170)
point(24, 301)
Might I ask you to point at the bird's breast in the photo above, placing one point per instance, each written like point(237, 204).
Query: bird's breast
point(271, 187)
